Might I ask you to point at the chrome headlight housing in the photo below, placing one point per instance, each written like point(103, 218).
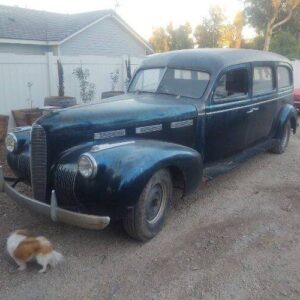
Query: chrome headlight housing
point(11, 143)
point(87, 166)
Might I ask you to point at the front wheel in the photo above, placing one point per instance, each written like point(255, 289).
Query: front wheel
point(283, 142)
point(147, 217)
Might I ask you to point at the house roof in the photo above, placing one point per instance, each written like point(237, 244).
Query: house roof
point(18, 23)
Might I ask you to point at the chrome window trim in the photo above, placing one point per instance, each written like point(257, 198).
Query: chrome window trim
point(246, 106)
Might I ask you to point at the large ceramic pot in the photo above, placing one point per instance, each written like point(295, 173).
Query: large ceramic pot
point(59, 101)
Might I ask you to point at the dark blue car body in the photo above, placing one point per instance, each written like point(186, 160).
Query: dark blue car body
point(133, 135)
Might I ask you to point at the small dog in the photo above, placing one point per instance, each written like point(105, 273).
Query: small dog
point(23, 247)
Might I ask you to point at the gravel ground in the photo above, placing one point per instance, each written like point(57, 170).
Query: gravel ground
point(236, 237)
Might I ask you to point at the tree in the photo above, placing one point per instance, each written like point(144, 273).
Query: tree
point(87, 89)
point(160, 40)
point(231, 34)
point(257, 43)
point(180, 38)
point(238, 25)
point(269, 15)
point(208, 34)
point(285, 43)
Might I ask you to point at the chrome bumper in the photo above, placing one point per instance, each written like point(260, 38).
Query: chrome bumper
point(52, 211)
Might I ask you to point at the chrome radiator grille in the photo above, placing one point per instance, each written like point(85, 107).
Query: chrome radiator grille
point(38, 162)
point(65, 178)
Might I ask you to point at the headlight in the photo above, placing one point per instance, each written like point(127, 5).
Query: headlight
point(11, 143)
point(87, 166)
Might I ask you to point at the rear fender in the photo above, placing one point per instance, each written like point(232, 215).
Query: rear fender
point(286, 114)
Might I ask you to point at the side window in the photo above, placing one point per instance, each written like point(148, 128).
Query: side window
point(232, 85)
point(284, 77)
point(263, 80)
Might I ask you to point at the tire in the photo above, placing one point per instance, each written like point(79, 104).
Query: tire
point(283, 142)
point(147, 218)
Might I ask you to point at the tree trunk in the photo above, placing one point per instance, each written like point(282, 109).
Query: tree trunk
point(268, 37)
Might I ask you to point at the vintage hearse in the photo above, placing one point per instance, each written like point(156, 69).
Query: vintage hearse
point(188, 115)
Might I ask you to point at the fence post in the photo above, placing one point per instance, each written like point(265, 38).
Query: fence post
point(51, 74)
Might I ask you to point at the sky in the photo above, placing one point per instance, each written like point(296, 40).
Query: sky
point(142, 15)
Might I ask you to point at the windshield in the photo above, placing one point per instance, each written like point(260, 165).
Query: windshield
point(177, 82)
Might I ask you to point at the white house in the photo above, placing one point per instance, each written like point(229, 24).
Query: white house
point(27, 31)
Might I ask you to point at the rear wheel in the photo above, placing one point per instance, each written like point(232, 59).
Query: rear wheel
point(147, 218)
point(282, 144)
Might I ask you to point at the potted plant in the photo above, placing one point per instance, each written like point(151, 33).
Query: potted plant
point(61, 100)
point(114, 76)
point(87, 89)
point(27, 116)
point(3, 127)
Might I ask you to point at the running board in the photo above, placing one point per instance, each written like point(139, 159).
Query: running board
point(211, 171)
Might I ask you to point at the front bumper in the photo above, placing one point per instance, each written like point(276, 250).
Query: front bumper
point(52, 211)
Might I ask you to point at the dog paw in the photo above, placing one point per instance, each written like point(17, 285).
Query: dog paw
point(21, 268)
point(42, 270)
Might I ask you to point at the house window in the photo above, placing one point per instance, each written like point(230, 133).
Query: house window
point(284, 77)
point(263, 80)
point(232, 86)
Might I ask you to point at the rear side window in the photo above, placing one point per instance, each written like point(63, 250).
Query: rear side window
point(284, 77)
point(263, 80)
point(232, 85)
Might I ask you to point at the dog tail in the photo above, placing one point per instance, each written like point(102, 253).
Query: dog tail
point(55, 258)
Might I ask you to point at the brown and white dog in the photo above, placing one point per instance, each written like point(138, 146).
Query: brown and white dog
point(23, 247)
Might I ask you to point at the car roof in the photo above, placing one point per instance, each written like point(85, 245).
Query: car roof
point(210, 60)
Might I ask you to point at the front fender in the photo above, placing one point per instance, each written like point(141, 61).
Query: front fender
point(124, 169)
point(287, 113)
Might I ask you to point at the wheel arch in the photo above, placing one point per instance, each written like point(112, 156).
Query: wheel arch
point(287, 114)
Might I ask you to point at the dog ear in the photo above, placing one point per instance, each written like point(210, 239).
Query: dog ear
point(24, 232)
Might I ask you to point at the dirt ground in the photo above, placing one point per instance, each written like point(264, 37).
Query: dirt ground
point(236, 237)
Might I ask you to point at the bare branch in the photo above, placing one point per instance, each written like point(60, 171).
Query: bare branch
point(288, 17)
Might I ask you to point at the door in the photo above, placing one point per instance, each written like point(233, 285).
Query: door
point(264, 97)
point(227, 114)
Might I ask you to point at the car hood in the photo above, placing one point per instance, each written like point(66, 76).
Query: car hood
point(69, 127)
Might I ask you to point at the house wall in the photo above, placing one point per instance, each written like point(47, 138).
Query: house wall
point(23, 49)
point(107, 37)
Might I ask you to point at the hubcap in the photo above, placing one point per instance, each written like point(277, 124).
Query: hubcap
point(156, 203)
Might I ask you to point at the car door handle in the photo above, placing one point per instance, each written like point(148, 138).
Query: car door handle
point(250, 111)
point(255, 109)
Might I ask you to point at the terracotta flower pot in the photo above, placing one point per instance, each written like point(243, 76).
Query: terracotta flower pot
point(25, 117)
point(3, 127)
